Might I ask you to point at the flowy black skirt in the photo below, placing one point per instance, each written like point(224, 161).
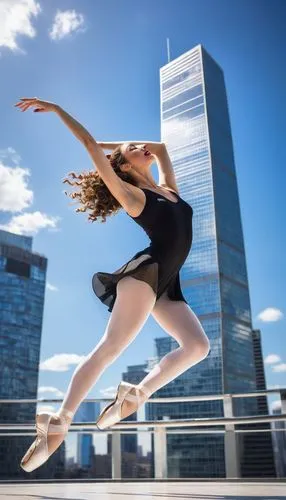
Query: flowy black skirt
point(142, 266)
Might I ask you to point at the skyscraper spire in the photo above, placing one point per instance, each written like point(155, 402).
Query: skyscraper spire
point(168, 49)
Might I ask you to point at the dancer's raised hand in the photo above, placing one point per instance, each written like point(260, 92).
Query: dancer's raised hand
point(40, 106)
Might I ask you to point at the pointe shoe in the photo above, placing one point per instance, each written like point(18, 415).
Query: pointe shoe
point(114, 414)
point(38, 452)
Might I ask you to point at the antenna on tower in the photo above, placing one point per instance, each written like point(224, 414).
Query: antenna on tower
point(168, 49)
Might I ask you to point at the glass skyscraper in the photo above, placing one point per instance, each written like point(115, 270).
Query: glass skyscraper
point(22, 292)
point(195, 126)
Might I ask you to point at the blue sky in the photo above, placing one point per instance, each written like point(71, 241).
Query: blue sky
point(100, 61)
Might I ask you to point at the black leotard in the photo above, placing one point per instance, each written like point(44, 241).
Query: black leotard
point(169, 227)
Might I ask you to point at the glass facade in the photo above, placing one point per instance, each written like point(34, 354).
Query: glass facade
point(195, 126)
point(87, 412)
point(22, 291)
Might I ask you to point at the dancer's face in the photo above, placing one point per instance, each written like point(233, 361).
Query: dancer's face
point(137, 155)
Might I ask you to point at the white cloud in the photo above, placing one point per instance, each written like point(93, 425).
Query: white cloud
point(270, 314)
point(53, 390)
point(61, 362)
point(11, 154)
point(52, 288)
point(30, 223)
point(16, 19)
point(66, 22)
point(279, 368)
point(14, 192)
point(15, 196)
point(272, 358)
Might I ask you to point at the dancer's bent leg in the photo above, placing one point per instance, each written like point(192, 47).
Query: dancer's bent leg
point(177, 319)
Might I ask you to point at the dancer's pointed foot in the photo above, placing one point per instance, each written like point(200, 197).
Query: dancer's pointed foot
point(130, 394)
point(132, 404)
point(55, 439)
point(51, 431)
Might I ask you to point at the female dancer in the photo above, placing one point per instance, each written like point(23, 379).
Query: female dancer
point(148, 283)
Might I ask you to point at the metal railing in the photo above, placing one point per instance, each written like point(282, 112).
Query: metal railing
point(160, 428)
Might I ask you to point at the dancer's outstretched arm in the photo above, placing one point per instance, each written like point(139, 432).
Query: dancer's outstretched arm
point(46, 106)
point(114, 183)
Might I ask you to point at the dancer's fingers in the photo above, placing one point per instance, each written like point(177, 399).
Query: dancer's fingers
point(28, 98)
point(20, 105)
point(26, 105)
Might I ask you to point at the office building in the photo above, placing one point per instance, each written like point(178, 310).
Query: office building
point(22, 293)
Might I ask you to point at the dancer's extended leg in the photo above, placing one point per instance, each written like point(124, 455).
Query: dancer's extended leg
point(134, 302)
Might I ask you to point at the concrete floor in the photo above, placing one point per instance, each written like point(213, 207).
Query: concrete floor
point(144, 491)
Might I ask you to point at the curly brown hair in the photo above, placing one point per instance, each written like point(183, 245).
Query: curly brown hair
point(94, 195)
